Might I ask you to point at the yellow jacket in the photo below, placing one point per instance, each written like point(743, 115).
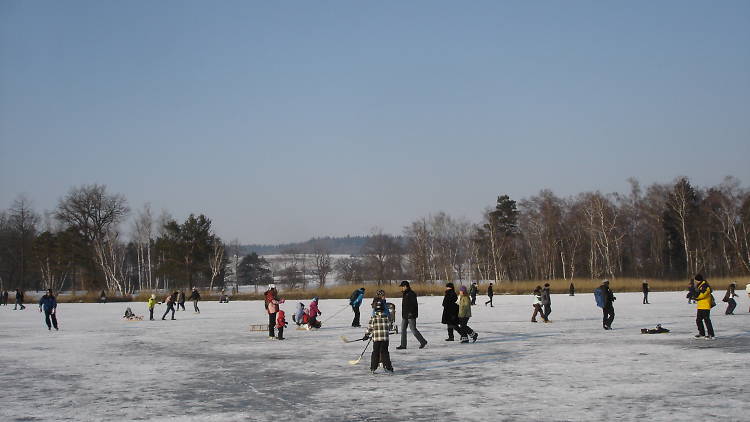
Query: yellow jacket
point(151, 303)
point(704, 297)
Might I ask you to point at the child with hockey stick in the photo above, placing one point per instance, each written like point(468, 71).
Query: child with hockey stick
point(378, 331)
point(280, 324)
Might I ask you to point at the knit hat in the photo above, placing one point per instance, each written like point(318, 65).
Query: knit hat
point(462, 289)
point(271, 286)
point(699, 277)
point(449, 285)
point(605, 282)
point(381, 293)
point(404, 284)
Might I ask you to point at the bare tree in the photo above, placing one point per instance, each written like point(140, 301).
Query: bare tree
point(216, 259)
point(323, 262)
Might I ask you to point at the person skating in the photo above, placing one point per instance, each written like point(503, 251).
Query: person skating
point(355, 301)
point(151, 305)
point(48, 304)
point(313, 313)
point(450, 312)
point(19, 300)
point(729, 298)
point(703, 304)
point(537, 304)
point(473, 290)
point(644, 287)
point(281, 324)
point(409, 315)
point(572, 289)
point(195, 297)
point(5, 298)
point(608, 310)
point(103, 297)
point(464, 314)
point(377, 330)
point(181, 300)
point(489, 294)
point(272, 307)
point(170, 302)
point(691, 292)
point(546, 302)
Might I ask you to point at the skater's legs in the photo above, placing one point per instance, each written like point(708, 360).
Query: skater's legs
point(404, 325)
point(385, 356)
point(547, 311)
point(271, 324)
point(417, 334)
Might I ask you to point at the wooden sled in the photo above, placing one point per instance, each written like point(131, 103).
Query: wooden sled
point(133, 319)
point(258, 327)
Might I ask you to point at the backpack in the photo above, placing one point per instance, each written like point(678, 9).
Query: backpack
point(354, 296)
point(713, 301)
point(599, 296)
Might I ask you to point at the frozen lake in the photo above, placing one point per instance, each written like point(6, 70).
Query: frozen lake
point(209, 366)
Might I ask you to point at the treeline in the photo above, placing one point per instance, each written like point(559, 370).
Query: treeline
point(79, 246)
point(667, 231)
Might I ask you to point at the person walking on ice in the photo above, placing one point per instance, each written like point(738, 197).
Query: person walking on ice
point(537, 304)
point(464, 314)
point(48, 304)
point(409, 315)
point(546, 302)
point(704, 304)
point(729, 298)
point(645, 289)
point(605, 299)
point(195, 297)
point(170, 301)
point(377, 330)
point(19, 300)
point(355, 301)
point(281, 324)
point(473, 290)
point(450, 312)
point(490, 294)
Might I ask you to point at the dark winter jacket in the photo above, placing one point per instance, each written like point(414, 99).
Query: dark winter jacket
point(609, 296)
point(645, 287)
point(546, 300)
point(473, 290)
point(489, 290)
point(195, 295)
point(19, 296)
point(47, 303)
point(380, 300)
point(409, 307)
point(181, 297)
point(450, 308)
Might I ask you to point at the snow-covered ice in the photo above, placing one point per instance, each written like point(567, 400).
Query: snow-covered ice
point(210, 367)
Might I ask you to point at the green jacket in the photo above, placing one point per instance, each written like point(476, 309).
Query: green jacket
point(464, 306)
point(151, 303)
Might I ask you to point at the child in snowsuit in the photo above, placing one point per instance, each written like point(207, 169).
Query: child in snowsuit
point(313, 312)
point(378, 331)
point(464, 314)
point(280, 324)
point(298, 316)
point(151, 304)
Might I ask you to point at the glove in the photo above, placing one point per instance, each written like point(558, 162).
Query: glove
point(366, 337)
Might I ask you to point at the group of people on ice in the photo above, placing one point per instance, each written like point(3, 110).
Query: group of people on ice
point(304, 317)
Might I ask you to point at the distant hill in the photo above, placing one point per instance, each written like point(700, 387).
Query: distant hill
point(349, 245)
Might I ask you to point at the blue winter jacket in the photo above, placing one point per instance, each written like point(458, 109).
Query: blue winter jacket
point(48, 303)
point(358, 301)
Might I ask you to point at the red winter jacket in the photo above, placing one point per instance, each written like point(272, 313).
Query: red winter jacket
point(314, 312)
point(272, 302)
point(280, 319)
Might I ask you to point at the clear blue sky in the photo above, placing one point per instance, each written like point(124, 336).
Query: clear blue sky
point(286, 120)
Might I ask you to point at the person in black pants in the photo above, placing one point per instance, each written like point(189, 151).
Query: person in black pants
point(5, 298)
point(450, 312)
point(729, 298)
point(48, 304)
point(378, 332)
point(490, 294)
point(608, 310)
point(473, 290)
point(170, 301)
point(572, 289)
point(703, 303)
point(19, 300)
point(645, 292)
point(546, 302)
point(409, 315)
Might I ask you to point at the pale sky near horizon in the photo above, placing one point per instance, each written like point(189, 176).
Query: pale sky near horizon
point(286, 120)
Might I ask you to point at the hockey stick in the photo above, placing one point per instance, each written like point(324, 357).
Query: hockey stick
point(335, 313)
point(346, 340)
point(356, 361)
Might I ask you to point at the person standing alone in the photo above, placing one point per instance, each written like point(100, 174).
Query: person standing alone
point(48, 304)
point(19, 300)
point(409, 315)
point(608, 310)
point(473, 293)
point(195, 297)
point(704, 305)
point(355, 301)
point(272, 307)
point(645, 292)
point(490, 294)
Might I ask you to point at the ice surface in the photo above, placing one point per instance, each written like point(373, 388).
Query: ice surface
point(210, 367)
